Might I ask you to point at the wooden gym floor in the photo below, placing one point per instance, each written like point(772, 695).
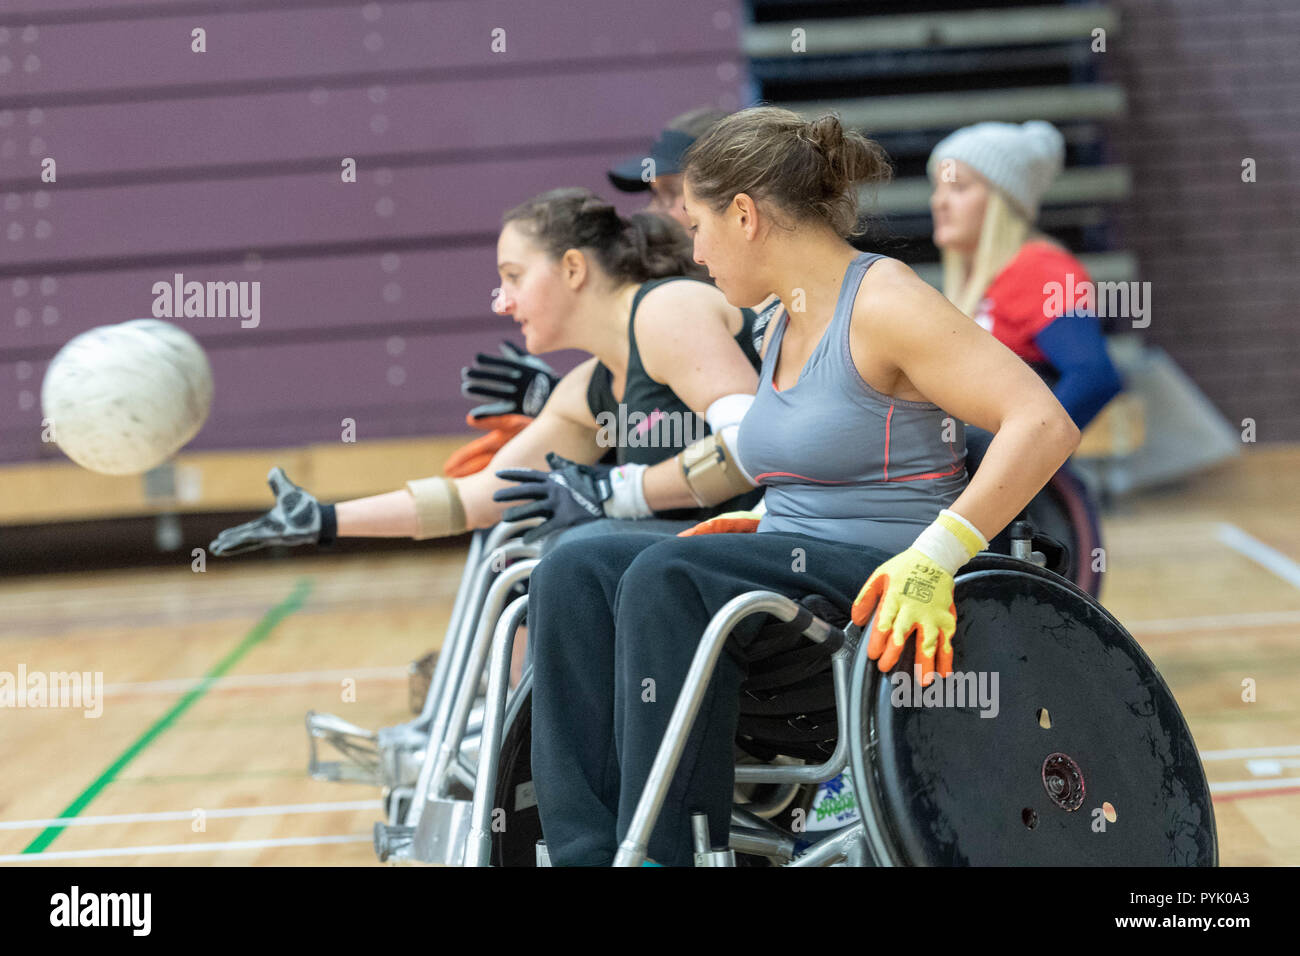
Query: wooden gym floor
point(184, 771)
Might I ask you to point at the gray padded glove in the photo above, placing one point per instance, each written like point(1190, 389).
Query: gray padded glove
point(295, 519)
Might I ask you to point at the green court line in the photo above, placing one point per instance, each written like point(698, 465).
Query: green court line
point(254, 637)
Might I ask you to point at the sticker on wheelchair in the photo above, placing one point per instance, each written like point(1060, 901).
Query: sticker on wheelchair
point(834, 806)
point(525, 796)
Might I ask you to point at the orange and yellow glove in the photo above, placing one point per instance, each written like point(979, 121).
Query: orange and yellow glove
point(473, 457)
point(912, 593)
point(733, 522)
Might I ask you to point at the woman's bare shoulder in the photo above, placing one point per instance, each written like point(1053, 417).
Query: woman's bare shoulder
point(889, 289)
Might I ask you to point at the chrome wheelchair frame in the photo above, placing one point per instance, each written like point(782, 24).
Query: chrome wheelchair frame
point(422, 760)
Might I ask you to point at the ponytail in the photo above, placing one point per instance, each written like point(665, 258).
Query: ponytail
point(640, 247)
point(809, 170)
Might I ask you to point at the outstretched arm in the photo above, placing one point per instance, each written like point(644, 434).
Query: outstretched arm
point(564, 425)
point(426, 507)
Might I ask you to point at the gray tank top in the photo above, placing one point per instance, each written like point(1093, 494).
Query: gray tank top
point(841, 461)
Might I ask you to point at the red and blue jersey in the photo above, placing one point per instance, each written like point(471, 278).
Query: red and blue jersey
point(1016, 308)
point(1037, 307)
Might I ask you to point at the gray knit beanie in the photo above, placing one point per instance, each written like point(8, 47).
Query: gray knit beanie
point(1020, 159)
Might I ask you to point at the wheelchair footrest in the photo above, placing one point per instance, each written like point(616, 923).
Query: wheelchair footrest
point(401, 751)
point(356, 744)
point(393, 842)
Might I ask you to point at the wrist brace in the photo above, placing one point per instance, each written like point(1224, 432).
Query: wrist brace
point(329, 525)
point(627, 500)
point(950, 541)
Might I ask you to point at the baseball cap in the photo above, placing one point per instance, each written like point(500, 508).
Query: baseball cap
point(667, 153)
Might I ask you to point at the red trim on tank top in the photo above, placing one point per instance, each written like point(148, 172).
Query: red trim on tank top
point(929, 474)
point(823, 481)
point(888, 416)
point(957, 466)
point(791, 474)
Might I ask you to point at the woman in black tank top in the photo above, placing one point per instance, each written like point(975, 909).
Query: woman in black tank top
point(574, 275)
point(657, 407)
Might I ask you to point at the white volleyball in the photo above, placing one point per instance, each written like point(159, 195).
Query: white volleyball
point(122, 399)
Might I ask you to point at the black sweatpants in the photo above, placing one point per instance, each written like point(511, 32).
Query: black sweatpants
point(615, 622)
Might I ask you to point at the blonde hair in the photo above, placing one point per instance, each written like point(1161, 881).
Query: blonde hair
point(1002, 233)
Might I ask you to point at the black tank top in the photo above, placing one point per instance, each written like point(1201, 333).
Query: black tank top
point(653, 423)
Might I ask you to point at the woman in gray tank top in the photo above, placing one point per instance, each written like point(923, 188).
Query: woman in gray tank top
point(855, 433)
point(879, 488)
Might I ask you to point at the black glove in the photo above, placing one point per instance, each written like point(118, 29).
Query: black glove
point(518, 384)
point(569, 494)
point(297, 518)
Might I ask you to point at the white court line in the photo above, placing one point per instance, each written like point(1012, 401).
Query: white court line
point(38, 599)
point(1250, 752)
point(1214, 622)
point(178, 684)
point(180, 848)
point(1240, 786)
point(160, 815)
point(1270, 767)
point(1259, 552)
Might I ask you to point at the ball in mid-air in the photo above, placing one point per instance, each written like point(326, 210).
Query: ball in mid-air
point(124, 398)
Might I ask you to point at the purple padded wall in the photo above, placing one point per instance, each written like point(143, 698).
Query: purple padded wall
point(225, 166)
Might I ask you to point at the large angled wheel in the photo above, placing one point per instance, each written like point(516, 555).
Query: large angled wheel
point(515, 844)
point(1088, 760)
point(1065, 510)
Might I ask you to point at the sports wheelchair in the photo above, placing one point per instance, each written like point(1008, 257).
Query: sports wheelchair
point(1088, 762)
